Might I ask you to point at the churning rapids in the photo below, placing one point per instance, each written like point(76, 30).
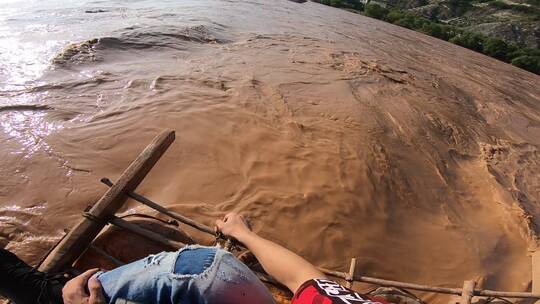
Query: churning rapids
point(338, 135)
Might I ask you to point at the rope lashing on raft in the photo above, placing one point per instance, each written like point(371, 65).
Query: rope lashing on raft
point(94, 218)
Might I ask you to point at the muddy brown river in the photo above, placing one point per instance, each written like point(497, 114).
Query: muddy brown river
point(338, 135)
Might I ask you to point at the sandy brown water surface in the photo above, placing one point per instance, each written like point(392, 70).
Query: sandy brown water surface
point(339, 136)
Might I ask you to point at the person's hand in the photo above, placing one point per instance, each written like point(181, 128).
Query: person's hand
point(233, 225)
point(74, 291)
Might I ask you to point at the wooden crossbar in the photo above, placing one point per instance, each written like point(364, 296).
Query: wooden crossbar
point(101, 252)
point(118, 222)
point(145, 201)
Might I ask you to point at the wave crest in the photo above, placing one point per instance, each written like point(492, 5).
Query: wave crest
point(24, 107)
point(138, 39)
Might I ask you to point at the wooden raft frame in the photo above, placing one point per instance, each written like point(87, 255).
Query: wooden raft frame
point(73, 245)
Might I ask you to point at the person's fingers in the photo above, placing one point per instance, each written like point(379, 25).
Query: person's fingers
point(87, 274)
point(74, 290)
point(219, 224)
point(96, 292)
point(227, 216)
point(81, 280)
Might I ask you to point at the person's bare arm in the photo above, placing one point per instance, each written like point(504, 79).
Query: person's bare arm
point(284, 265)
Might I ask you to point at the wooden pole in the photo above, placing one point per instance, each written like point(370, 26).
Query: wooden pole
point(536, 273)
point(145, 201)
point(350, 278)
point(467, 292)
point(77, 240)
point(435, 289)
point(389, 283)
point(507, 294)
point(116, 221)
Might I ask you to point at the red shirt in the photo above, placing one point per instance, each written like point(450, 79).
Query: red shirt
point(322, 291)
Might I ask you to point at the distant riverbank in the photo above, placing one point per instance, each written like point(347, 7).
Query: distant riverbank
point(525, 58)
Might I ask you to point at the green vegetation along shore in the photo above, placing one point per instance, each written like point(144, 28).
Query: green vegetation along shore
point(525, 58)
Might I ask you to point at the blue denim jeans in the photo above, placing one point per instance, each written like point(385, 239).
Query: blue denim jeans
point(193, 275)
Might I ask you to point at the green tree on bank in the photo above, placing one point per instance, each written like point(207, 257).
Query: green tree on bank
point(525, 58)
point(352, 4)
